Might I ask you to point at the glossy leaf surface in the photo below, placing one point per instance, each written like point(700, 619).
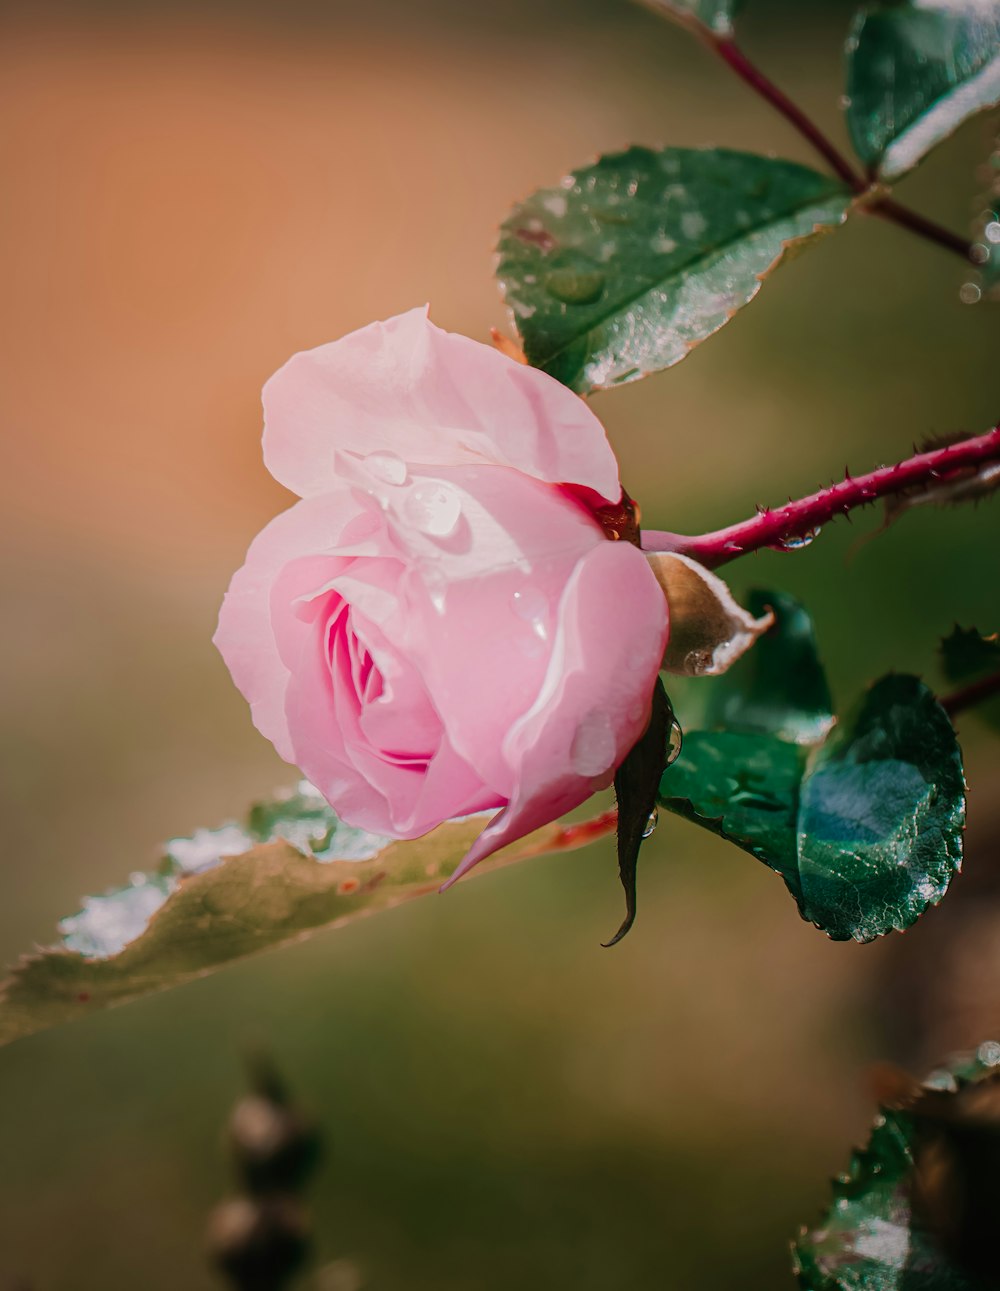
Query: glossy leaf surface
point(881, 815)
point(221, 895)
point(865, 830)
point(874, 1237)
point(916, 70)
point(628, 264)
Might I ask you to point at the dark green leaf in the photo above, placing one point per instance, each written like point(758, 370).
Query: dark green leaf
point(967, 654)
point(745, 788)
point(716, 15)
point(779, 687)
point(630, 263)
point(916, 70)
point(636, 783)
point(876, 1236)
point(223, 894)
point(881, 815)
point(866, 833)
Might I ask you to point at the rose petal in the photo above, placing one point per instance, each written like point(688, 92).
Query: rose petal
point(410, 392)
point(245, 637)
point(594, 701)
point(708, 629)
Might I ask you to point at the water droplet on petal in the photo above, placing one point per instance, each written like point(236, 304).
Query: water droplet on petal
point(675, 739)
point(437, 587)
point(433, 507)
point(387, 467)
point(530, 604)
point(592, 751)
point(654, 816)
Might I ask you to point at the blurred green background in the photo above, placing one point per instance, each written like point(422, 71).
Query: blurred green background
point(193, 193)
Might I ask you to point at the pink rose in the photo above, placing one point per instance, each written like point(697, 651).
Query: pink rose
point(440, 626)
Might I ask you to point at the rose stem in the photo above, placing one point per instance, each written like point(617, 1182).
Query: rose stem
point(731, 54)
point(784, 526)
point(958, 701)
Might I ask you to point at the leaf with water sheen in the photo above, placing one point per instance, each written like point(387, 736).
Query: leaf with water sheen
point(875, 1235)
point(629, 263)
point(779, 687)
point(716, 15)
point(916, 69)
point(866, 831)
point(881, 814)
point(291, 870)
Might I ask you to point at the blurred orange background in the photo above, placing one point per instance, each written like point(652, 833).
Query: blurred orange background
point(194, 192)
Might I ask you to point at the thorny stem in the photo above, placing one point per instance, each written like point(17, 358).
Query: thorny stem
point(883, 206)
point(958, 701)
point(793, 525)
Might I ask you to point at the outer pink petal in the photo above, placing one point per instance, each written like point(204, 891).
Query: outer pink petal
point(594, 703)
point(245, 637)
point(483, 642)
point(432, 398)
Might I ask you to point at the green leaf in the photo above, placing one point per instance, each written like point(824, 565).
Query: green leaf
point(916, 69)
point(881, 815)
point(716, 15)
point(966, 654)
point(221, 895)
point(866, 831)
point(779, 687)
point(628, 264)
point(745, 788)
point(875, 1234)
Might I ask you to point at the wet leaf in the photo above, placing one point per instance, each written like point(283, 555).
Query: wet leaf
point(291, 870)
point(916, 69)
point(716, 15)
point(881, 815)
point(628, 264)
point(866, 831)
point(636, 783)
point(745, 788)
point(778, 688)
point(876, 1233)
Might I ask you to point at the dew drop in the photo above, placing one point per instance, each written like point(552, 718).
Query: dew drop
point(437, 587)
point(387, 467)
point(797, 541)
point(576, 286)
point(970, 293)
point(675, 739)
point(654, 816)
point(433, 508)
point(992, 231)
point(592, 750)
point(531, 604)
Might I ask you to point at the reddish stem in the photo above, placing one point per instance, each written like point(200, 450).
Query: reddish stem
point(884, 207)
point(730, 53)
point(788, 526)
point(971, 695)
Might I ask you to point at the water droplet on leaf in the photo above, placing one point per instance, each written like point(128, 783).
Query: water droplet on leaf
point(576, 286)
point(654, 816)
